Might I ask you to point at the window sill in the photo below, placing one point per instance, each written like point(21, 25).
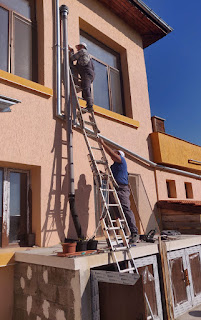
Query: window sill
point(7, 255)
point(113, 115)
point(27, 84)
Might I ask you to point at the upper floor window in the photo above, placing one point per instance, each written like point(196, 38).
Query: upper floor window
point(107, 86)
point(18, 54)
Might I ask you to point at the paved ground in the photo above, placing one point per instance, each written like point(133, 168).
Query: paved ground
point(193, 314)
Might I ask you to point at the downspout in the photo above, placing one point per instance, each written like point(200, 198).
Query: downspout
point(71, 195)
point(58, 63)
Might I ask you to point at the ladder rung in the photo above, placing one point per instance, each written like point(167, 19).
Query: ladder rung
point(113, 228)
point(101, 162)
point(127, 270)
point(90, 123)
point(91, 135)
point(120, 248)
point(113, 205)
point(95, 148)
point(110, 190)
point(122, 220)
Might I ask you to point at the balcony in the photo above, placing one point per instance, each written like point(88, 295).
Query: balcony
point(174, 152)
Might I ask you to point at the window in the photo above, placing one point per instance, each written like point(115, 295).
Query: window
point(107, 85)
point(171, 189)
point(14, 207)
point(189, 190)
point(18, 54)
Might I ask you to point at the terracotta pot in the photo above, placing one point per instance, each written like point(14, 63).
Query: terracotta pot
point(69, 247)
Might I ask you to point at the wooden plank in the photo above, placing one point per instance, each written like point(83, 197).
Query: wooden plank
point(190, 218)
point(174, 212)
point(166, 280)
point(180, 224)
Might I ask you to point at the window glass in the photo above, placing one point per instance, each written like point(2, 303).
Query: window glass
point(96, 50)
point(100, 86)
point(4, 39)
point(21, 6)
point(116, 91)
point(15, 194)
point(23, 48)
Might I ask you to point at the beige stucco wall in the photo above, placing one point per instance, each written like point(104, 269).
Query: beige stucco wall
point(31, 137)
point(6, 292)
point(180, 188)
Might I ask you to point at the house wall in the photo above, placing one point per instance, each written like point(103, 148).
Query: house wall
point(180, 188)
point(31, 135)
point(6, 292)
point(43, 292)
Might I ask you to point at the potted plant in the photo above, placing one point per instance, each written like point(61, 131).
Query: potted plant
point(69, 246)
point(92, 244)
point(81, 245)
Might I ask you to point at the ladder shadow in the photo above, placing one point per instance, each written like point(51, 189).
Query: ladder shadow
point(58, 193)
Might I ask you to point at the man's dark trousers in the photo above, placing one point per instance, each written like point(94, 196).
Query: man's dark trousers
point(123, 192)
point(86, 81)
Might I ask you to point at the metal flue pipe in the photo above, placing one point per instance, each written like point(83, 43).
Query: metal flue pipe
point(58, 63)
point(71, 196)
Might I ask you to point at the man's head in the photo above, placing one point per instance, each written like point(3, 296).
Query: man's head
point(81, 45)
point(121, 153)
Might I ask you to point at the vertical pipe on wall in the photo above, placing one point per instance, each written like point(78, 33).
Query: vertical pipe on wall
point(58, 62)
point(71, 195)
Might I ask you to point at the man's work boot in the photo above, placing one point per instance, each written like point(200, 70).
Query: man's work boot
point(134, 237)
point(89, 109)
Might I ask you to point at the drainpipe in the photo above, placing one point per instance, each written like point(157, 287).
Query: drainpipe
point(71, 196)
point(58, 63)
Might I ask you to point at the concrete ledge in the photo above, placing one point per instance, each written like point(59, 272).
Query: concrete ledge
point(48, 257)
point(184, 241)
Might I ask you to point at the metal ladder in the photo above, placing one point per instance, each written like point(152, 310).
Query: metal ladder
point(116, 231)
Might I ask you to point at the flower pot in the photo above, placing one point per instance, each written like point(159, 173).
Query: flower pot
point(69, 247)
point(81, 245)
point(92, 244)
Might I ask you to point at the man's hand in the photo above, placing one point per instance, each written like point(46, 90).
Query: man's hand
point(70, 49)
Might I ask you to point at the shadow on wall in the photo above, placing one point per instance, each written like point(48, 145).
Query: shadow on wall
point(56, 210)
point(145, 214)
point(56, 213)
point(82, 194)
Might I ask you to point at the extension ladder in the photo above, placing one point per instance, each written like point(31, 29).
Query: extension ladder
point(116, 231)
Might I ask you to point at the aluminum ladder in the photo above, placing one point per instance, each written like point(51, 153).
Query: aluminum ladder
point(116, 231)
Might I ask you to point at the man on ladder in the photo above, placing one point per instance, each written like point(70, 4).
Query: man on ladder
point(85, 68)
point(119, 170)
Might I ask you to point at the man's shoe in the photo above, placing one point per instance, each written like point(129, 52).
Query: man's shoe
point(134, 238)
point(89, 108)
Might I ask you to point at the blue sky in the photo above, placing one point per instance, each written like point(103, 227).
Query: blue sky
point(174, 69)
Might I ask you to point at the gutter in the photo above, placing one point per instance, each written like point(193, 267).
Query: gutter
point(141, 159)
point(151, 15)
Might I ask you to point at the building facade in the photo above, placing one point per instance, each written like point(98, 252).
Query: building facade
point(34, 206)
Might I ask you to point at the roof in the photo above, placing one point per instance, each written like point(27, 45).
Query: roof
point(141, 18)
point(180, 205)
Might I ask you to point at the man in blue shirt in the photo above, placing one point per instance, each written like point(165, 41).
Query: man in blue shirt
point(120, 173)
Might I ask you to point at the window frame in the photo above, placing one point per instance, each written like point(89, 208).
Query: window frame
point(11, 38)
point(6, 205)
point(113, 52)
